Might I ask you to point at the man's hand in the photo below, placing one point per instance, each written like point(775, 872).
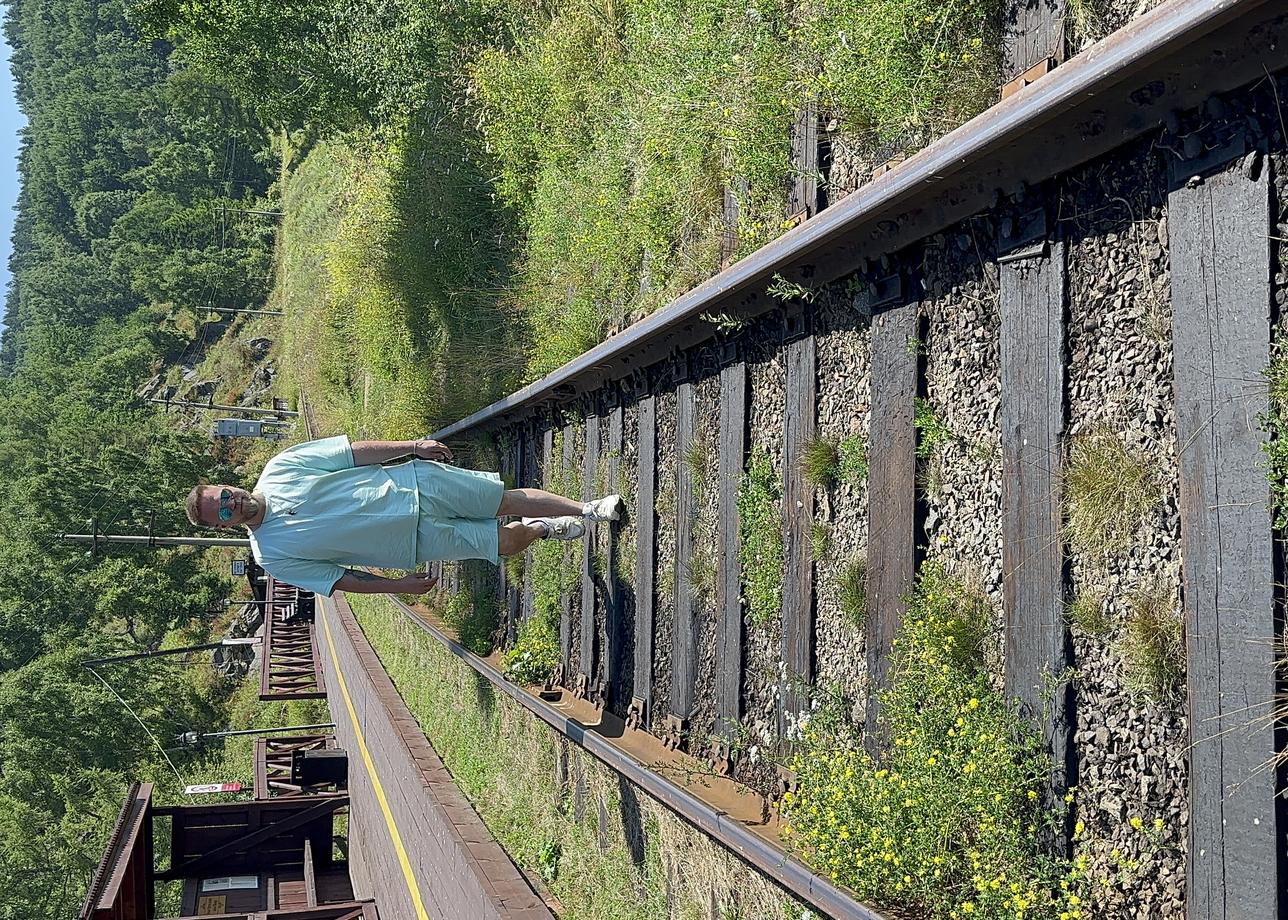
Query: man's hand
point(429, 449)
point(416, 583)
point(357, 581)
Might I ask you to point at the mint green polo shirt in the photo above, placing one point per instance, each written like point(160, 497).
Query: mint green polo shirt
point(324, 514)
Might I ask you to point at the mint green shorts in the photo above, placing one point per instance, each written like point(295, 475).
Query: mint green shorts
point(458, 511)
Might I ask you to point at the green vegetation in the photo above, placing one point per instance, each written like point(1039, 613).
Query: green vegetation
point(1276, 445)
point(854, 590)
point(932, 431)
point(820, 541)
point(853, 460)
point(824, 461)
point(760, 528)
point(820, 462)
point(1153, 644)
point(1087, 613)
point(129, 227)
point(504, 761)
point(1109, 490)
point(942, 824)
point(612, 130)
point(474, 614)
point(535, 655)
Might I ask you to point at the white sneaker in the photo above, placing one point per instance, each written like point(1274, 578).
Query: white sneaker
point(559, 528)
point(608, 508)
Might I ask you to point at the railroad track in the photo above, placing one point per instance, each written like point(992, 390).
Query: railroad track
point(962, 317)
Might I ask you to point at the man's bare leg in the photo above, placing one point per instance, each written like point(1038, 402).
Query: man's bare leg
point(537, 503)
point(514, 538)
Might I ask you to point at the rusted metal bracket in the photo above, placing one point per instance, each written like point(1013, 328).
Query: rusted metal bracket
point(1022, 235)
point(879, 292)
point(720, 756)
point(582, 688)
point(786, 781)
point(888, 165)
point(673, 730)
point(636, 714)
point(1040, 69)
point(560, 674)
point(796, 321)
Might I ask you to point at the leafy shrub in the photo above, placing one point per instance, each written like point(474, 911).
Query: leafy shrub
point(943, 822)
point(535, 655)
point(760, 526)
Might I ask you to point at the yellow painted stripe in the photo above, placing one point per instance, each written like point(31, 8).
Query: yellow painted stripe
point(408, 875)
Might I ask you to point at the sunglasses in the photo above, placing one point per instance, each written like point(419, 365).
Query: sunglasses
point(226, 505)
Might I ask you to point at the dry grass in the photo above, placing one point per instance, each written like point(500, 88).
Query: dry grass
point(1153, 644)
point(1109, 491)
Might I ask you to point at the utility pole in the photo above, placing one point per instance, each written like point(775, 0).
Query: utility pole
point(253, 410)
point(159, 653)
point(198, 737)
point(93, 538)
point(255, 312)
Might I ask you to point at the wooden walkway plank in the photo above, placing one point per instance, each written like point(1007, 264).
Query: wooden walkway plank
point(645, 559)
point(733, 452)
point(684, 651)
point(588, 662)
point(1221, 270)
point(892, 471)
point(610, 665)
point(1038, 646)
point(798, 506)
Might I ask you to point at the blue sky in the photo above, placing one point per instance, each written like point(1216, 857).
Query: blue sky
point(11, 122)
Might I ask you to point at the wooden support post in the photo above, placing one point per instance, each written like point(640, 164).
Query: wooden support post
point(892, 470)
point(803, 195)
point(645, 556)
point(1219, 230)
point(588, 664)
point(798, 502)
point(684, 651)
point(1038, 653)
point(728, 666)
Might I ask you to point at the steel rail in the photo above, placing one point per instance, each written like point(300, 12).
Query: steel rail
point(784, 869)
point(1170, 59)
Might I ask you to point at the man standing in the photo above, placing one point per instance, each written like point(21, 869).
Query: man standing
point(323, 506)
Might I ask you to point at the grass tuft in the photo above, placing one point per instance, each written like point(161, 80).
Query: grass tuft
point(1087, 613)
point(1109, 490)
point(854, 590)
point(820, 540)
point(761, 530)
point(1153, 644)
point(820, 463)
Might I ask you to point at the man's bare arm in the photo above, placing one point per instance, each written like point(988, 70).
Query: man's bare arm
point(366, 453)
point(356, 581)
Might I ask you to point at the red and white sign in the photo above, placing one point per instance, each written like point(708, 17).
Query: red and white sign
point(212, 787)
